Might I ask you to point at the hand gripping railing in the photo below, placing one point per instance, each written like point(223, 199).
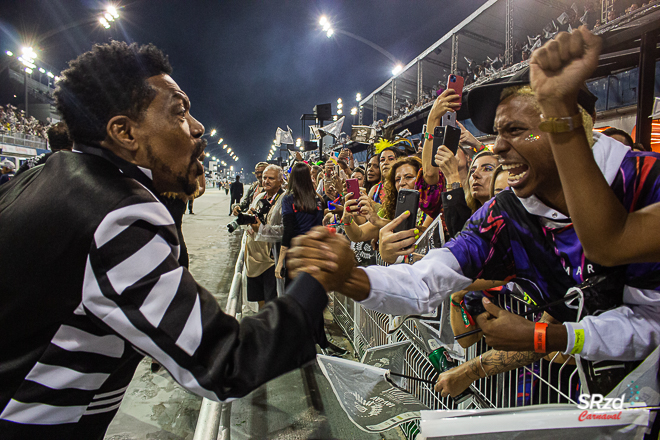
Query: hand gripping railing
point(214, 417)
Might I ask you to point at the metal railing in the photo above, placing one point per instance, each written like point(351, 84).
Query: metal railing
point(22, 140)
point(544, 381)
point(214, 417)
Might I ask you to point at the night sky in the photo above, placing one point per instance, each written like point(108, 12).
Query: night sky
point(247, 66)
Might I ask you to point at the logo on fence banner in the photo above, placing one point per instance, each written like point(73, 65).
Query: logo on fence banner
point(597, 401)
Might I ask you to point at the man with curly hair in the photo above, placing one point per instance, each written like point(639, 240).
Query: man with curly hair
point(109, 288)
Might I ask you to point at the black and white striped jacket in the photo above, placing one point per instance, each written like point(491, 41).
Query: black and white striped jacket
point(91, 283)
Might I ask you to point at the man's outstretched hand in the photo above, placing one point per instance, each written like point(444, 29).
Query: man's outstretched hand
point(324, 255)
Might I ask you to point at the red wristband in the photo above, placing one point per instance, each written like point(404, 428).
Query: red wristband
point(539, 337)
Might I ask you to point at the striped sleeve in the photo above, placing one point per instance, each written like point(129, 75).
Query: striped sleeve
point(134, 285)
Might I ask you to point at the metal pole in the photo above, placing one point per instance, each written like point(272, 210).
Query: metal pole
point(508, 46)
point(420, 80)
point(454, 54)
point(26, 93)
point(393, 97)
point(646, 88)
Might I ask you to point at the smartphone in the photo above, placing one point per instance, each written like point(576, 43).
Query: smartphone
point(448, 136)
point(407, 200)
point(353, 186)
point(455, 82)
point(449, 119)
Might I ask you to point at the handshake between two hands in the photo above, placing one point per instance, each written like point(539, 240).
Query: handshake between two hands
point(324, 255)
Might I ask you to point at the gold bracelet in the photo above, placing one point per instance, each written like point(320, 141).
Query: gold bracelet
point(560, 125)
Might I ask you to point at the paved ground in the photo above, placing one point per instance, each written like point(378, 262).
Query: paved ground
point(298, 405)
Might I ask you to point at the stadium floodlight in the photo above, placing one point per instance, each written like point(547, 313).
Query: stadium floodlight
point(231, 168)
point(213, 132)
point(28, 70)
point(228, 150)
point(50, 75)
point(108, 17)
point(214, 158)
point(224, 147)
point(298, 142)
point(236, 159)
point(41, 70)
point(113, 11)
point(220, 140)
point(57, 78)
point(323, 20)
point(208, 154)
point(104, 22)
point(27, 62)
point(358, 97)
point(329, 33)
point(339, 111)
point(29, 53)
point(354, 111)
point(334, 117)
point(339, 101)
point(397, 69)
point(10, 53)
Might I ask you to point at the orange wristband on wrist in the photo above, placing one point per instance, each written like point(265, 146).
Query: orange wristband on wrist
point(539, 337)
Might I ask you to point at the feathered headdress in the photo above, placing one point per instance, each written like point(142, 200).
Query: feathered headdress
point(381, 145)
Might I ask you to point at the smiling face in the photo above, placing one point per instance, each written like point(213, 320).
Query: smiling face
point(530, 163)
point(373, 170)
point(405, 177)
point(480, 174)
point(387, 159)
point(169, 140)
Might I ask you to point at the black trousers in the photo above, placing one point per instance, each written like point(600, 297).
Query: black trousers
point(262, 287)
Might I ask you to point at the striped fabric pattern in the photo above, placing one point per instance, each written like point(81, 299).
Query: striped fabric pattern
point(134, 291)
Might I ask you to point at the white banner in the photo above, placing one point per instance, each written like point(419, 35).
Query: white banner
point(333, 129)
point(369, 400)
point(283, 137)
point(540, 422)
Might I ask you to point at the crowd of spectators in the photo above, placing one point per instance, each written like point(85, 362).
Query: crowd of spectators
point(495, 235)
point(13, 120)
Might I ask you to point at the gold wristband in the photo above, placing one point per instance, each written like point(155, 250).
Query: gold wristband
point(560, 125)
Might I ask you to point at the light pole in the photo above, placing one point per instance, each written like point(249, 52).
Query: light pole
point(326, 25)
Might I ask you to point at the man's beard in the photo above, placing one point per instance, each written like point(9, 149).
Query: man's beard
point(183, 181)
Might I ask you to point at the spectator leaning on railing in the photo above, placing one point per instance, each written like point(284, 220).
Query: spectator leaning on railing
point(525, 232)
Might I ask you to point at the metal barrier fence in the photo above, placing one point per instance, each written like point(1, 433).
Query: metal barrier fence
point(214, 417)
point(545, 381)
point(22, 140)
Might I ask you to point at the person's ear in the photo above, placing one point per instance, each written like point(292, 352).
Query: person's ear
point(120, 131)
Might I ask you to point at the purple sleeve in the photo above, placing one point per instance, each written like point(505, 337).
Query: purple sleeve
point(483, 247)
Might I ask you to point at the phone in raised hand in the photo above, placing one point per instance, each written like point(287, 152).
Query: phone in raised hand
point(406, 200)
point(455, 82)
